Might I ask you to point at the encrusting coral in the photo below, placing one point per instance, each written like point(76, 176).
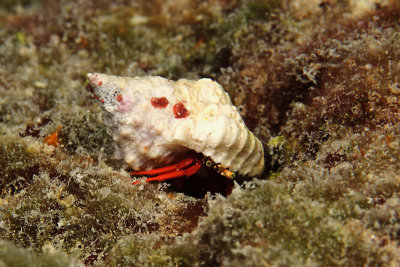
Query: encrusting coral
point(316, 81)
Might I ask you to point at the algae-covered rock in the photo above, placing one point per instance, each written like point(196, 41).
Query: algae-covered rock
point(316, 81)
point(11, 255)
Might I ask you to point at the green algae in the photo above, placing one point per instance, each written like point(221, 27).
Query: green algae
point(84, 130)
point(10, 255)
point(256, 225)
point(18, 165)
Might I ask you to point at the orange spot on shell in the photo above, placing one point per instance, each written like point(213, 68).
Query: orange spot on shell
point(180, 111)
point(119, 98)
point(100, 83)
point(52, 139)
point(159, 102)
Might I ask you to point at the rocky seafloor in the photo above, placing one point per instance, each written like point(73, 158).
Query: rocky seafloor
point(317, 81)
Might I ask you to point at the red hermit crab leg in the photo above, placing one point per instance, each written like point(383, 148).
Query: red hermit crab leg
point(175, 167)
point(172, 171)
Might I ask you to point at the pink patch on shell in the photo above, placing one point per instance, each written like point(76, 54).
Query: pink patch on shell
point(125, 103)
point(95, 79)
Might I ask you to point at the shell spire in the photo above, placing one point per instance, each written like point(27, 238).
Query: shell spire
point(153, 121)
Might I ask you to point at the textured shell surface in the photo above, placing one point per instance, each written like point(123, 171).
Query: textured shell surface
point(154, 121)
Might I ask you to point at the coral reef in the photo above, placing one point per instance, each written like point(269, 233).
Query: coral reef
point(317, 82)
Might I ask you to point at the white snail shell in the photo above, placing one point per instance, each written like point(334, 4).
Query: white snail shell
point(154, 121)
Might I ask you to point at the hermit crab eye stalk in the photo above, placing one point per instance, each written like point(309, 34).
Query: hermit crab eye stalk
point(210, 164)
point(227, 173)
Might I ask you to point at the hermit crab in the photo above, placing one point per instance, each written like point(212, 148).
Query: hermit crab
point(155, 122)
